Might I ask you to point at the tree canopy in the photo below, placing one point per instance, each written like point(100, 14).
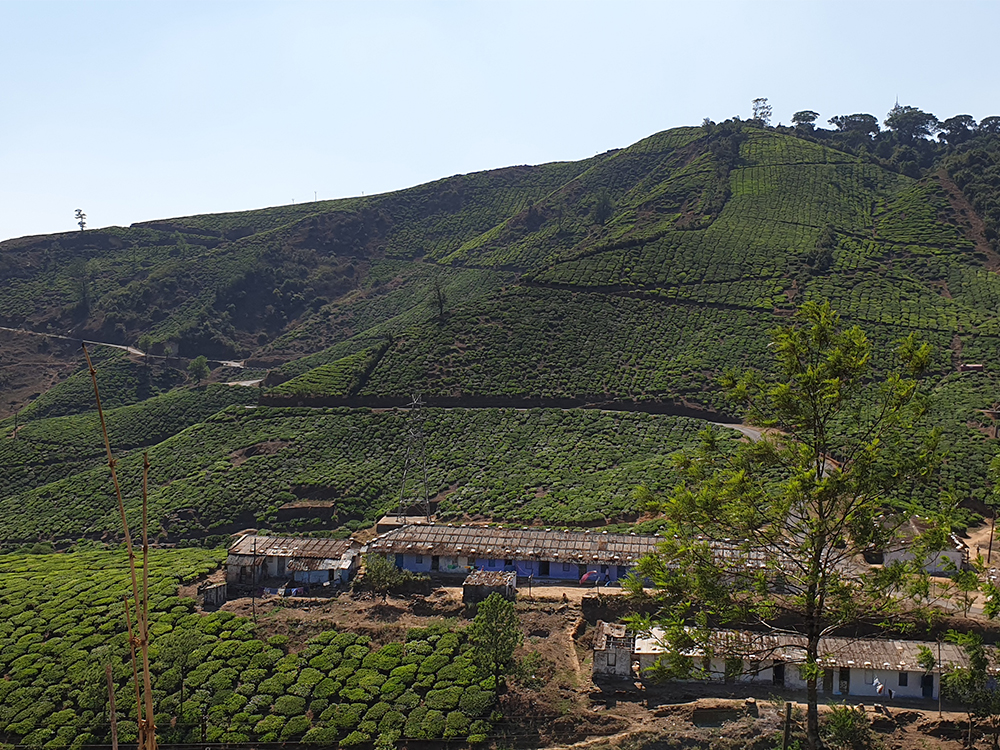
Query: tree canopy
point(857, 123)
point(911, 123)
point(495, 635)
point(829, 479)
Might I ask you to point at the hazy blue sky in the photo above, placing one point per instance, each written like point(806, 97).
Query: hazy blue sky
point(142, 110)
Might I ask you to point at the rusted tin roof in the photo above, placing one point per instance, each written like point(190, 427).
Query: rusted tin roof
point(582, 547)
point(312, 563)
point(612, 635)
point(516, 544)
point(277, 546)
point(492, 578)
point(856, 653)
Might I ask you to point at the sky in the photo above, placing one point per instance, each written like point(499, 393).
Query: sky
point(134, 110)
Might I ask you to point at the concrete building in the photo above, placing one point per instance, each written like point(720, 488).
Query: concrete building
point(252, 559)
point(945, 562)
point(539, 553)
point(613, 649)
point(480, 584)
point(851, 667)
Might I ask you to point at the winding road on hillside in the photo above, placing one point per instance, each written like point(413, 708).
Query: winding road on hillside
point(123, 347)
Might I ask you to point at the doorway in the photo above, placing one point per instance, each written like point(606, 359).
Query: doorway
point(778, 674)
point(927, 685)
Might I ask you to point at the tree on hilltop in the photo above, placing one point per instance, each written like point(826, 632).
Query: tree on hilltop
point(857, 123)
point(762, 111)
point(802, 503)
point(805, 119)
point(957, 129)
point(911, 123)
point(81, 219)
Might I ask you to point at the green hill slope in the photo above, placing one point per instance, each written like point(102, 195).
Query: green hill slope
point(632, 279)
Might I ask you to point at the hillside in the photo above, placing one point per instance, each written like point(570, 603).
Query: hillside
point(628, 281)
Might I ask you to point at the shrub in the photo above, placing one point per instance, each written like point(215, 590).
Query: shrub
point(278, 641)
point(456, 725)
point(413, 729)
point(321, 736)
point(475, 701)
point(296, 727)
point(443, 700)
point(391, 721)
point(343, 716)
point(392, 689)
point(377, 711)
point(270, 723)
point(846, 727)
point(433, 663)
point(433, 724)
point(327, 688)
point(290, 705)
point(355, 738)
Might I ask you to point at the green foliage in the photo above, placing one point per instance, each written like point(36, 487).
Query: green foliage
point(495, 633)
point(61, 620)
point(198, 368)
point(847, 728)
point(817, 493)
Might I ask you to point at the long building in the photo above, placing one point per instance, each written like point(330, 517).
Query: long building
point(534, 552)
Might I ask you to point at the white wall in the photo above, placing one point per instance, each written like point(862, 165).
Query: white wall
point(942, 563)
point(861, 680)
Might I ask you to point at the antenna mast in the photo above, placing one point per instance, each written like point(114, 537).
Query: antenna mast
point(415, 451)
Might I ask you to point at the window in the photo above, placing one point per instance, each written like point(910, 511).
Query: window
point(612, 658)
point(420, 559)
point(904, 679)
point(869, 677)
point(565, 567)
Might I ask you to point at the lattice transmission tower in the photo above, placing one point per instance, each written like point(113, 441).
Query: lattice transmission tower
point(416, 459)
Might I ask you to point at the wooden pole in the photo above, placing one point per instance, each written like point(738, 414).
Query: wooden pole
point(112, 717)
point(253, 581)
point(940, 672)
point(989, 552)
point(788, 725)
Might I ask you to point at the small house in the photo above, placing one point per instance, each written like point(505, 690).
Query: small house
point(938, 563)
point(613, 649)
point(253, 558)
point(480, 584)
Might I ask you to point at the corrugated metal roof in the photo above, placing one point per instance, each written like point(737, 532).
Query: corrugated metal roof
point(497, 578)
point(520, 544)
point(612, 635)
point(242, 561)
point(277, 546)
point(312, 563)
point(583, 547)
point(857, 653)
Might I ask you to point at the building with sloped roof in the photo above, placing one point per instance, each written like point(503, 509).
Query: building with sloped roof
point(253, 558)
point(480, 584)
point(533, 552)
point(851, 666)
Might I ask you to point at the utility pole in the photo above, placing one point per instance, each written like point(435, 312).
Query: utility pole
point(112, 716)
point(993, 523)
point(253, 581)
point(414, 448)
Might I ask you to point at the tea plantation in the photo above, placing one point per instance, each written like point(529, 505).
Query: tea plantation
point(62, 620)
point(540, 465)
